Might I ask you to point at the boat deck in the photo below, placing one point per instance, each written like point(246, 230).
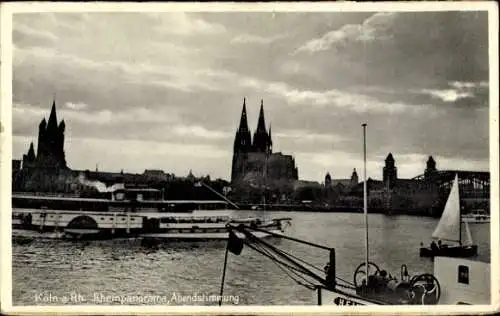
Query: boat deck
point(147, 213)
point(114, 202)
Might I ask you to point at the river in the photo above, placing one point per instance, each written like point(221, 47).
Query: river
point(188, 273)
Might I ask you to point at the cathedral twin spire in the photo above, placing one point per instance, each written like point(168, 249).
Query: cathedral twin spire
point(261, 125)
point(243, 120)
point(243, 141)
point(262, 141)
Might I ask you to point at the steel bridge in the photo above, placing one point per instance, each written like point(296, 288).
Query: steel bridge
point(474, 186)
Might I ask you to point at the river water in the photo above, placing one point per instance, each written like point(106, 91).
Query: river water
point(188, 273)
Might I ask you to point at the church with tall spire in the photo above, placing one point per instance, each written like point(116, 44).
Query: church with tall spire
point(262, 142)
point(253, 158)
point(50, 151)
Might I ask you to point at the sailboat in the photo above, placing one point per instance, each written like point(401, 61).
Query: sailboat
point(449, 229)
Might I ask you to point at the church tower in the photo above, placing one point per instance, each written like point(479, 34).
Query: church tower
point(52, 123)
point(270, 141)
point(61, 157)
point(253, 159)
point(390, 171)
point(242, 140)
point(430, 170)
point(242, 145)
point(41, 150)
point(354, 178)
point(261, 139)
point(328, 180)
point(29, 159)
point(50, 151)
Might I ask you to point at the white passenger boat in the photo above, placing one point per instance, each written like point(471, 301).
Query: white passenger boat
point(476, 216)
point(196, 225)
point(185, 223)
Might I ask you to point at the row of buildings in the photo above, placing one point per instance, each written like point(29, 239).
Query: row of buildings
point(258, 175)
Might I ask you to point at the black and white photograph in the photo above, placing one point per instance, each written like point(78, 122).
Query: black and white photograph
point(238, 157)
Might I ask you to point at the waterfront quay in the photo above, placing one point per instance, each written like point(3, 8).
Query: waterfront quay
point(98, 191)
point(336, 209)
point(24, 201)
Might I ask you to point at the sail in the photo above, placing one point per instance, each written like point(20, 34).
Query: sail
point(448, 227)
point(468, 240)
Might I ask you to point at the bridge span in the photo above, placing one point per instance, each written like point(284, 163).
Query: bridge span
point(474, 185)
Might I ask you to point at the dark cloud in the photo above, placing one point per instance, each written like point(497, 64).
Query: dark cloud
point(406, 49)
point(179, 79)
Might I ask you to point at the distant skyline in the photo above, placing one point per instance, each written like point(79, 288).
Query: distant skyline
point(165, 90)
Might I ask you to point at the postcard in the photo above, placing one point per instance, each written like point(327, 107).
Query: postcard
point(249, 158)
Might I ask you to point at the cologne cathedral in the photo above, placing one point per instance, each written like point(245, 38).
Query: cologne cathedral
point(254, 160)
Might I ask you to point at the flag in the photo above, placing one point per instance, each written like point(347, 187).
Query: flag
point(234, 244)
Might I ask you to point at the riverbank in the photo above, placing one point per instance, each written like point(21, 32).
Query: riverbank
point(336, 209)
point(20, 200)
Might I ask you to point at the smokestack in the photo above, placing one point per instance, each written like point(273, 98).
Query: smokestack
point(99, 186)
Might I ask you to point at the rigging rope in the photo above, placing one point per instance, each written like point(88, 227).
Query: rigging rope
point(311, 265)
point(299, 259)
point(283, 252)
point(308, 284)
point(282, 264)
point(311, 274)
point(266, 253)
point(346, 282)
point(295, 267)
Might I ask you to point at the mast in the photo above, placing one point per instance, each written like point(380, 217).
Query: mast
point(365, 200)
point(459, 213)
point(469, 236)
point(201, 183)
point(265, 182)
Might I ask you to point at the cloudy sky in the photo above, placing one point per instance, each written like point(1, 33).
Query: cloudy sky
point(165, 90)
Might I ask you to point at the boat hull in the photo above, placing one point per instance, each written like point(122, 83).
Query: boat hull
point(458, 252)
point(456, 287)
point(341, 298)
point(472, 287)
point(22, 237)
point(159, 226)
